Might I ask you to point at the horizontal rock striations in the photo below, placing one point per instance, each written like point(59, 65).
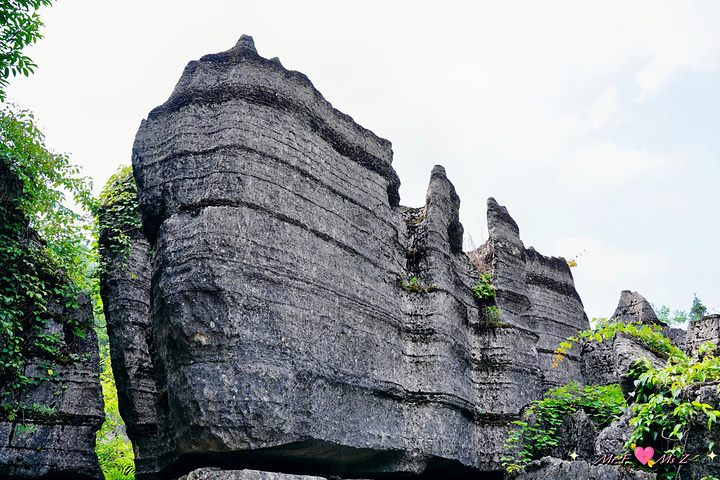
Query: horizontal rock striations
point(125, 292)
point(537, 297)
point(300, 319)
point(49, 421)
point(633, 307)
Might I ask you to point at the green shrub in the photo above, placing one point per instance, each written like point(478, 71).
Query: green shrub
point(538, 431)
point(485, 290)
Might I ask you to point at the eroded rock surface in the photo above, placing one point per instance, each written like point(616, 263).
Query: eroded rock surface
point(633, 307)
point(537, 296)
point(610, 361)
point(48, 427)
point(707, 329)
point(556, 469)
point(218, 474)
point(301, 320)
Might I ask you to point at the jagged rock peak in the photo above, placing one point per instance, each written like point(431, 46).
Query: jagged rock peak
point(633, 307)
point(438, 171)
point(246, 41)
point(498, 217)
point(441, 197)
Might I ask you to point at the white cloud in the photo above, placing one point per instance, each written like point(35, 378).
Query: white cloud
point(677, 36)
point(605, 110)
point(607, 166)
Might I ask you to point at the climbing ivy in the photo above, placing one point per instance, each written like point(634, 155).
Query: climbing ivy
point(44, 253)
point(539, 428)
point(649, 335)
point(485, 290)
point(112, 447)
point(664, 412)
point(117, 215)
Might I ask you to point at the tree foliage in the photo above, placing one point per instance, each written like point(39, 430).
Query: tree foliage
point(697, 310)
point(19, 27)
point(43, 250)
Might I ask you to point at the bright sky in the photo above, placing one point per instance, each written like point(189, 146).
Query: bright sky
point(595, 123)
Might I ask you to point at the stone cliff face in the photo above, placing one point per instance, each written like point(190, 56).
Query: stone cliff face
point(47, 426)
point(296, 317)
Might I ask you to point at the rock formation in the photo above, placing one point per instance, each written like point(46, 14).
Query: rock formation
point(556, 469)
point(633, 307)
point(47, 427)
point(298, 319)
point(706, 329)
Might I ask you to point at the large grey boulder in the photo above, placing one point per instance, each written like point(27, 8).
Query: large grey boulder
point(609, 362)
point(633, 307)
point(300, 319)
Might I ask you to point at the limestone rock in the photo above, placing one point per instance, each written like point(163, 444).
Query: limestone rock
point(52, 434)
point(707, 329)
point(610, 361)
point(537, 296)
point(633, 307)
point(125, 291)
point(700, 437)
point(218, 474)
point(611, 440)
point(300, 319)
point(553, 468)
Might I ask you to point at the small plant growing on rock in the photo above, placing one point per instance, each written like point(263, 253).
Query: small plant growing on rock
point(485, 290)
point(493, 314)
point(414, 286)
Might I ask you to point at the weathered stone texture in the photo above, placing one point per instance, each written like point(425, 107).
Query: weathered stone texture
point(556, 469)
point(217, 474)
point(301, 320)
point(537, 296)
point(633, 307)
point(611, 440)
point(125, 291)
point(62, 445)
point(609, 361)
point(700, 438)
point(707, 329)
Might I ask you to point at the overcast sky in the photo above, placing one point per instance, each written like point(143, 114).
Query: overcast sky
point(595, 123)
